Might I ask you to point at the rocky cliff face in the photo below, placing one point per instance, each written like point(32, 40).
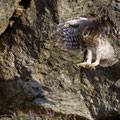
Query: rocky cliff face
point(34, 73)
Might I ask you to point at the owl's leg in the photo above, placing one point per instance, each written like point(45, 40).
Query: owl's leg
point(96, 63)
point(89, 60)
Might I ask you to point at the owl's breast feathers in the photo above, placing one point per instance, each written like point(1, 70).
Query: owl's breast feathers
point(71, 34)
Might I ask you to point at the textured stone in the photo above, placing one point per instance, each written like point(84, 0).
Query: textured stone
point(117, 84)
point(7, 9)
point(35, 73)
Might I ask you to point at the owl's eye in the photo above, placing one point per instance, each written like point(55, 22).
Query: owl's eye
point(86, 34)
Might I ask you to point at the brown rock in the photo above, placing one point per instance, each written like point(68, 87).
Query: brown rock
point(35, 73)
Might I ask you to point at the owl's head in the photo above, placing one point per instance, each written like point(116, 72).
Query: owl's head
point(89, 32)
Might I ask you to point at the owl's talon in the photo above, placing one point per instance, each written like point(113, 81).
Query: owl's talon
point(92, 67)
point(81, 65)
point(88, 65)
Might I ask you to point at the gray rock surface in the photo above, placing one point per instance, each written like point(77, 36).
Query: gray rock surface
point(7, 8)
point(35, 73)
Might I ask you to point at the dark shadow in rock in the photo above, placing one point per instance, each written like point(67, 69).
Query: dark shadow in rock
point(21, 94)
point(113, 116)
point(110, 73)
point(16, 93)
point(27, 40)
point(103, 79)
point(25, 3)
point(47, 18)
point(30, 40)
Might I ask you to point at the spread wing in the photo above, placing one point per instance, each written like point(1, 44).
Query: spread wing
point(69, 35)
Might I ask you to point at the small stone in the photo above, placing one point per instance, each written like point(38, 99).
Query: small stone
point(90, 4)
point(94, 110)
point(11, 23)
point(96, 78)
point(117, 84)
point(46, 54)
point(91, 101)
point(47, 10)
point(88, 98)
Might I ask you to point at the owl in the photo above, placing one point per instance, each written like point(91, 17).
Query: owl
point(95, 34)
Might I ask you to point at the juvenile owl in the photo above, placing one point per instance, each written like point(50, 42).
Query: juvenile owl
point(95, 34)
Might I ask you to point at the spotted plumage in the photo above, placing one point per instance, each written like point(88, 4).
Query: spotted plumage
point(69, 34)
point(72, 33)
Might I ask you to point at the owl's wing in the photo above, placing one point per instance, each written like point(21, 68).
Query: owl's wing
point(69, 34)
